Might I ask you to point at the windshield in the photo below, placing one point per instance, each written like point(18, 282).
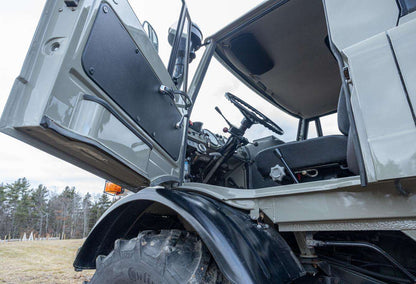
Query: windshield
point(217, 82)
point(210, 16)
point(162, 14)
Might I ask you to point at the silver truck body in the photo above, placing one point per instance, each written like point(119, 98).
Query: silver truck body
point(59, 106)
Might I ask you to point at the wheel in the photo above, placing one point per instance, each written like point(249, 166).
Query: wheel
point(171, 256)
point(254, 115)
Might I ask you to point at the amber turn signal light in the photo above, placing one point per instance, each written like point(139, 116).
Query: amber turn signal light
point(112, 188)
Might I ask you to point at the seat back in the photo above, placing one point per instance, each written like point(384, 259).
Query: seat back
point(343, 121)
point(344, 127)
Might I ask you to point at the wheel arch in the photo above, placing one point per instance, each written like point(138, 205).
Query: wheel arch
point(245, 252)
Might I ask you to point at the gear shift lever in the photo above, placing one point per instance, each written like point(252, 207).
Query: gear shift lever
point(226, 120)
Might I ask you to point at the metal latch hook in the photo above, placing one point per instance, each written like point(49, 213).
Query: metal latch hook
point(165, 90)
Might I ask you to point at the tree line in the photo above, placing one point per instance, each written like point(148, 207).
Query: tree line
point(46, 213)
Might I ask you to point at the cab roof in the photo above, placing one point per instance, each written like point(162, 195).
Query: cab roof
point(280, 49)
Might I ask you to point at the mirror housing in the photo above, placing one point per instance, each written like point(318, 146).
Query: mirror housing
point(195, 40)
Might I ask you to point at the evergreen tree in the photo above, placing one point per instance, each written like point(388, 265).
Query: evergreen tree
point(104, 203)
point(40, 202)
point(47, 213)
point(3, 217)
point(24, 212)
point(2, 194)
point(14, 196)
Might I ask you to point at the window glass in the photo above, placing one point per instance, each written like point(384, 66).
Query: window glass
point(330, 124)
point(161, 14)
point(218, 80)
point(312, 133)
point(180, 69)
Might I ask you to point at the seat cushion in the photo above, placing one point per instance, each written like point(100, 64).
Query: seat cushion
point(305, 154)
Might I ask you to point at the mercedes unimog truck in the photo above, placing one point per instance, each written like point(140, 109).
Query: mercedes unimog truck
point(211, 208)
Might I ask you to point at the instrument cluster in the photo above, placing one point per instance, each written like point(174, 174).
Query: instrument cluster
point(205, 140)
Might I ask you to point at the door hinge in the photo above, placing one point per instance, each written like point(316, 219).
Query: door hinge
point(347, 76)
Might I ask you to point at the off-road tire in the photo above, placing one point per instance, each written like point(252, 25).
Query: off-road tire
point(169, 256)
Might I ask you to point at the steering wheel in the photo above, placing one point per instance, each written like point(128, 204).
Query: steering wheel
point(253, 114)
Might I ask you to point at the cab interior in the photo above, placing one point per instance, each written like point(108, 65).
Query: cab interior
point(281, 50)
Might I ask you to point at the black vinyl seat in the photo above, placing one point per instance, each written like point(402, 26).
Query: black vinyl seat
point(313, 152)
point(305, 154)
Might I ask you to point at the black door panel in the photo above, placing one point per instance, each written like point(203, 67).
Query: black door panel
point(113, 61)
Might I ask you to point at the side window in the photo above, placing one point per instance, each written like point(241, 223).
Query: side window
point(312, 133)
point(151, 33)
point(179, 59)
point(172, 34)
point(330, 124)
point(160, 20)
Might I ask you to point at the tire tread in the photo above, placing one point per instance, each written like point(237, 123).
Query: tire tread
point(173, 255)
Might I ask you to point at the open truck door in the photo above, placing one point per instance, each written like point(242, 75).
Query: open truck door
point(377, 58)
point(94, 92)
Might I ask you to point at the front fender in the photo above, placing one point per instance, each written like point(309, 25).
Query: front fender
point(244, 251)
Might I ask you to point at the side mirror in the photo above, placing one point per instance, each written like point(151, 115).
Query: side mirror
point(151, 33)
point(195, 40)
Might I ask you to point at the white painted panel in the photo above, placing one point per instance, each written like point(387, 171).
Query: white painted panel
point(407, 18)
point(403, 39)
point(384, 111)
point(352, 21)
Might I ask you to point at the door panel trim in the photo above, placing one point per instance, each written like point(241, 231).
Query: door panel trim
point(119, 117)
point(48, 123)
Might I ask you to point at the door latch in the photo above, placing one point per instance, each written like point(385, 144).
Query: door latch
point(164, 90)
point(179, 124)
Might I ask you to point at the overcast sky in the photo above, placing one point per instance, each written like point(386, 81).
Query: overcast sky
point(18, 21)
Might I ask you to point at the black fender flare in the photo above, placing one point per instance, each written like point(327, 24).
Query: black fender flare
point(244, 251)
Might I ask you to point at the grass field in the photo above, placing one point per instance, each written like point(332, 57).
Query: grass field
point(40, 262)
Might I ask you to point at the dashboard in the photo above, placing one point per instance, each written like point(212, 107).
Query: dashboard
point(214, 139)
point(205, 140)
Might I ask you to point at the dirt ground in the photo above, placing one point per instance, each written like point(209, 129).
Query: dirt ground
point(40, 262)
